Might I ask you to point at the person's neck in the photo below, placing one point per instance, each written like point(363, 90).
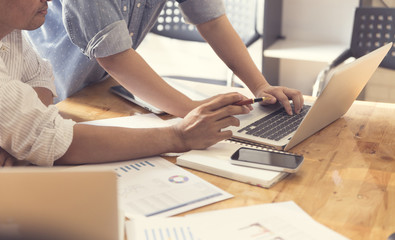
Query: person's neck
point(4, 31)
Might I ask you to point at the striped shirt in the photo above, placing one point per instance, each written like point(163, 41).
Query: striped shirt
point(28, 129)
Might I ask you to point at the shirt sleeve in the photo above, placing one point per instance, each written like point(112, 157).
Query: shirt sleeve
point(95, 25)
point(201, 11)
point(36, 71)
point(30, 130)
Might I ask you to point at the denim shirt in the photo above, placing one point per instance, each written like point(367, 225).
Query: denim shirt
point(78, 31)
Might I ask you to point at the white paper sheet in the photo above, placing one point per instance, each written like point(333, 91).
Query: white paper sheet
point(156, 187)
point(275, 221)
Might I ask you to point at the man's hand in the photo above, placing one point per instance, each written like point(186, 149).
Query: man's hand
point(204, 125)
point(6, 160)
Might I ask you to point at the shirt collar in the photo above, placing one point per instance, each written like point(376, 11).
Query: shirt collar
point(4, 46)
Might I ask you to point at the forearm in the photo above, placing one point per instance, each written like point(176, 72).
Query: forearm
point(224, 40)
point(98, 144)
point(131, 71)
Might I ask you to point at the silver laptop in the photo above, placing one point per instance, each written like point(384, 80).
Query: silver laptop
point(268, 126)
point(58, 204)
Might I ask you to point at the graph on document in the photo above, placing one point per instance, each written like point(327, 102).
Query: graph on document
point(179, 228)
point(165, 233)
point(154, 186)
point(133, 166)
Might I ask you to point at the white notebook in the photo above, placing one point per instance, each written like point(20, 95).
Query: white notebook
point(216, 160)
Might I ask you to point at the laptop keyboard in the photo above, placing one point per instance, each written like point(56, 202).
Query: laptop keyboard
point(276, 125)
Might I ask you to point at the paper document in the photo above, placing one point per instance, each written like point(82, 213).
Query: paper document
point(279, 221)
point(156, 187)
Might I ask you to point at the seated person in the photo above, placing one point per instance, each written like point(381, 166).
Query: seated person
point(31, 128)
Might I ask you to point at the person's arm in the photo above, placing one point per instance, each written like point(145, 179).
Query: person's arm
point(201, 128)
point(45, 95)
point(38, 74)
point(225, 41)
point(131, 71)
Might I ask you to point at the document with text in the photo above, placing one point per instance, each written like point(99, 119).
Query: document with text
point(156, 187)
point(273, 221)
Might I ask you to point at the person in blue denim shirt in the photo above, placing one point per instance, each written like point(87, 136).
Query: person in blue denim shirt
point(86, 39)
point(33, 132)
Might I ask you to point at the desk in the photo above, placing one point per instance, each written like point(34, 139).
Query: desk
point(346, 183)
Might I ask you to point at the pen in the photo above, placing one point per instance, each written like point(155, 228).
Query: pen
point(250, 101)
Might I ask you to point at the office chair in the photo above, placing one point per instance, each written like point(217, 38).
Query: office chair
point(241, 14)
point(373, 28)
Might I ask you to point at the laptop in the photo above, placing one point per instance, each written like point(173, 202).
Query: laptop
point(57, 204)
point(263, 126)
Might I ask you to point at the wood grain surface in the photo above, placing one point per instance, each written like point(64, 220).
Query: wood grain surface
point(347, 181)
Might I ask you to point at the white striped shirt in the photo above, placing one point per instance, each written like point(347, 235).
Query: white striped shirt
point(28, 129)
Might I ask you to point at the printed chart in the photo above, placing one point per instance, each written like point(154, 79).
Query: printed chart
point(156, 187)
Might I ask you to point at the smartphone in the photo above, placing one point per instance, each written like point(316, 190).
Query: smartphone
point(267, 159)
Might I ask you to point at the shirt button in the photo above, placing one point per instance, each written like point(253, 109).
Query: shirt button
point(131, 34)
point(125, 8)
point(3, 48)
point(138, 5)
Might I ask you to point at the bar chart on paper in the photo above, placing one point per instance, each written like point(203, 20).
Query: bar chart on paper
point(156, 187)
point(179, 228)
point(133, 166)
point(181, 233)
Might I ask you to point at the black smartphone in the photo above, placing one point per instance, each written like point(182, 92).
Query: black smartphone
point(267, 159)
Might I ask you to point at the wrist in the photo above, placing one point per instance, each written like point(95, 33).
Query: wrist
point(183, 109)
point(178, 141)
point(259, 89)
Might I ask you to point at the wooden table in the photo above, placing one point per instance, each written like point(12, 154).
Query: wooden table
point(346, 183)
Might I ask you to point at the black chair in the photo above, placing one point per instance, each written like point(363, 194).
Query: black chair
point(373, 28)
point(241, 14)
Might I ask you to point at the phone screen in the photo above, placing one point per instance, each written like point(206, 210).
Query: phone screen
point(267, 158)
